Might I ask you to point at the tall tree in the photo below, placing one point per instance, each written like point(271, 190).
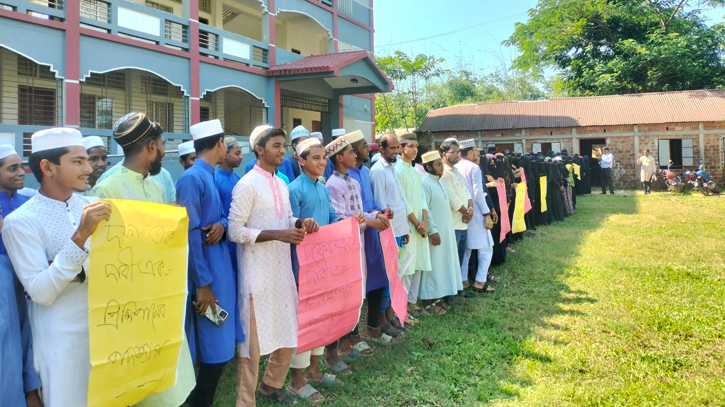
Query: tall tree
point(622, 46)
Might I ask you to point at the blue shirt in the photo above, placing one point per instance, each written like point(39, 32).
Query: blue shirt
point(329, 169)
point(310, 199)
point(225, 182)
point(208, 264)
point(285, 168)
point(17, 374)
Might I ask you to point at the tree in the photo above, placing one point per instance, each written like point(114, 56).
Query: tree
point(622, 46)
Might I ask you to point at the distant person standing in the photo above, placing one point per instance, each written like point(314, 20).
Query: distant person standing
point(606, 161)
point(647, 168)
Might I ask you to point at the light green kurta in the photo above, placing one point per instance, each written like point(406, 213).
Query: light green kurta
point(129, 184)
point(412, 186)
point(444, 278)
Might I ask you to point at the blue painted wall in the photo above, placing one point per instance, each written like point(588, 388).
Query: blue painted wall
point(323, 16)
point(353, 34)
point(43, 44)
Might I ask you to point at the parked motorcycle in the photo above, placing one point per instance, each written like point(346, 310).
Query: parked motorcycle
point(672, 181)
point(701, 181)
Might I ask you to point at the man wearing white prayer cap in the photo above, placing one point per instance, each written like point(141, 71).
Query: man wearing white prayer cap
point(47, 240)
point(187, 154)
point(330, 166)
point(284, 170)
point(298, 135)
point(317, 135)
point(97, 157)
point(17, 374)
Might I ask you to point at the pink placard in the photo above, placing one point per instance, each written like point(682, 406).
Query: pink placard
point(330, 284)
point(504, 215)
point(398, 295)
point(527, 204)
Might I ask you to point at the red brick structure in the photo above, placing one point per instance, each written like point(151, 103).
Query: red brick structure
point(680, 126)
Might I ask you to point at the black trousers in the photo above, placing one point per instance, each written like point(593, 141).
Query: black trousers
point(607, 179)
point(206, 384)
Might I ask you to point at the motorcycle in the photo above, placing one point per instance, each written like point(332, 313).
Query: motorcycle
point(672, 181)
point(701, 181)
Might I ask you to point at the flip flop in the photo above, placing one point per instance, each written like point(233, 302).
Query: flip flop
point(278, 397)
point(338, 368)
point(390, 330)
point(328, 381)
point(397, 325)
point(385, 340)
point(363, 348)
point(353, 355)
point(304, 393)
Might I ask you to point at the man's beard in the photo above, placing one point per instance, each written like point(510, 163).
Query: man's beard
point(156, 164)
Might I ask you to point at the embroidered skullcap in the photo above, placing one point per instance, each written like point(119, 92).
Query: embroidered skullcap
point(354, 137)
point(338, 132)
point(7, 150)
point(299, 131)
point(186, 148)
point(123, 119)
point(305, 145)
point(58, 137)
point(133, 129)
point(336, 146)
point(93, 142)
point(407, 137)
point(470, 143)
point(430, 156)
point(316, 135)
point(209, 128)
point(257, 133)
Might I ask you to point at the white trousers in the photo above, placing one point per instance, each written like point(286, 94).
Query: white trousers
point(485, 256)
point(302, 360)
point(411, 283)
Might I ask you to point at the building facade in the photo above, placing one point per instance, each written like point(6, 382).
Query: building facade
point(683, 127)
point(86, 63)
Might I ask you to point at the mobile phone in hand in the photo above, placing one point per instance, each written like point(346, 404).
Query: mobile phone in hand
point(219, 318)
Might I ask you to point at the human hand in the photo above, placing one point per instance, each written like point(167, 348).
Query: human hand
point(377, 224)
point(92, 215)
point(489, 178)
point(494, 216)
point(422, 229)
point(215, 234)
point(514, 185)
point(360, 218)
point(389, 212)
point(384, 219)
point(561, 189)
point(292, 236)
point(204, 299)
point(406, 239)
point(309, 225)
point(435, 239)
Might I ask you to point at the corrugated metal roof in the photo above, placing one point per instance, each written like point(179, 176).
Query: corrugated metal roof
point(318, 63)
point(643, 108)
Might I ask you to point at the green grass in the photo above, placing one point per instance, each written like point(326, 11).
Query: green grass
point(622, 304)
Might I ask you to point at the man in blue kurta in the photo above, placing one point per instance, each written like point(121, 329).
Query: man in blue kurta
point(210, 268)
point(19, 382)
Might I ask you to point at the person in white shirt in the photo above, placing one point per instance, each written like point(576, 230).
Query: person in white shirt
point(606, 161)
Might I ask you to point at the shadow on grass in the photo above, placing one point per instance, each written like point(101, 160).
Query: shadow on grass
point(466, 357)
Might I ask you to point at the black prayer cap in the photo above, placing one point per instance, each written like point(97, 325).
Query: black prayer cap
point(132, 129)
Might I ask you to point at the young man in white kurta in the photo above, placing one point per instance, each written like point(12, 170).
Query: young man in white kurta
point(261, 222)
point(48, 243)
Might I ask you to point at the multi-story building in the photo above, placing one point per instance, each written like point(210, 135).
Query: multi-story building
point(86, 63)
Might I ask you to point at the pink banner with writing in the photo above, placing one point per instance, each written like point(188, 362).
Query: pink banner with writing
point(330, 284)
point(398, 295)
point(527, 204)
point(504, 215)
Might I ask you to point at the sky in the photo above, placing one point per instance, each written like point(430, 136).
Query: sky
point(401, 24)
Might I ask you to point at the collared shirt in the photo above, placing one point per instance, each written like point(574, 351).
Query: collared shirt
point(285, 168)
point(128, 184)
point(458, 194)
point(163, 178)
point(607, 160)
point(361, 174)
point(388, 194)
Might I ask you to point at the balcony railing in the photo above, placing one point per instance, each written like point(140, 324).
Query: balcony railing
point(45, 9)
point(225, 45)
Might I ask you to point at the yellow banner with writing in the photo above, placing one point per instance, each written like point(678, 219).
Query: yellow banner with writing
point(542, 185)
point(519, 224)
point(136, 299)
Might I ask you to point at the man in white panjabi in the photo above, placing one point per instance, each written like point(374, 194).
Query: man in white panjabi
point(262, 224)
point(48, 241)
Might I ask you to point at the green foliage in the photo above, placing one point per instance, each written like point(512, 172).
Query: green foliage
point(606, 47)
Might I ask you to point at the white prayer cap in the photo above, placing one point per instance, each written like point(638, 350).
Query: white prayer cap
point(186, 148)
point(307, 144)
point(354, 137)
point(257, 133)
point(299, 131)
point(59, 137)
point(451, 140)
point(316, 135)
point(92, 142)
point(430, 156)
point(336, 146)
point(470, 143)
point(338, 132)
point(6, 150)
point(205, 129)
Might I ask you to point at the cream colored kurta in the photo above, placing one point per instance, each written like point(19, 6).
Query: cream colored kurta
point(458, 194)
point(260, 201)
point(412, 187)
point(647, 168)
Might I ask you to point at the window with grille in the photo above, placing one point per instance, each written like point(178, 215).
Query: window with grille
point(29, 93)
point(204, 113)
point(30, 69)
point(112, 80)
point(96, 111)
point(27, 145)
point(158, 86)
point(158, 6)
point(162, 113)
point(205, 6)
point(36, 106)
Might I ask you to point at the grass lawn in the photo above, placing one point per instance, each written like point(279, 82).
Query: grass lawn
point(621, 304)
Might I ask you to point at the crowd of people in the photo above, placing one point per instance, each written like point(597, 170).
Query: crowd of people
point(445, 208)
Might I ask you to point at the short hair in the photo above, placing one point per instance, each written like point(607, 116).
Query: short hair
point(231, 142)
point(268, 134)
point(465, 151)
point(446, 145)
point(134, 148)
point(206, 143)
point(306, 153)
point(339, 154)
point(383, 140)
point(183, 157)
point(51, 155)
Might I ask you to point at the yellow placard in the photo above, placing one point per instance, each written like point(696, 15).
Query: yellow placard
point(136, 300)
point(542, 187)
point(577, 171)
point(519, 224)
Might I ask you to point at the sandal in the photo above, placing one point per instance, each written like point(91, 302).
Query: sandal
point(485, 289)
point(363, 348)
point(434, 309)
point(328, 380)
point(353, 355)
point(385, 340)
point(397, 325)
point(338, 368)
point(306, 393)
point(277, 397)
point(390, 330)
point(410, 320)
point(492, 279)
